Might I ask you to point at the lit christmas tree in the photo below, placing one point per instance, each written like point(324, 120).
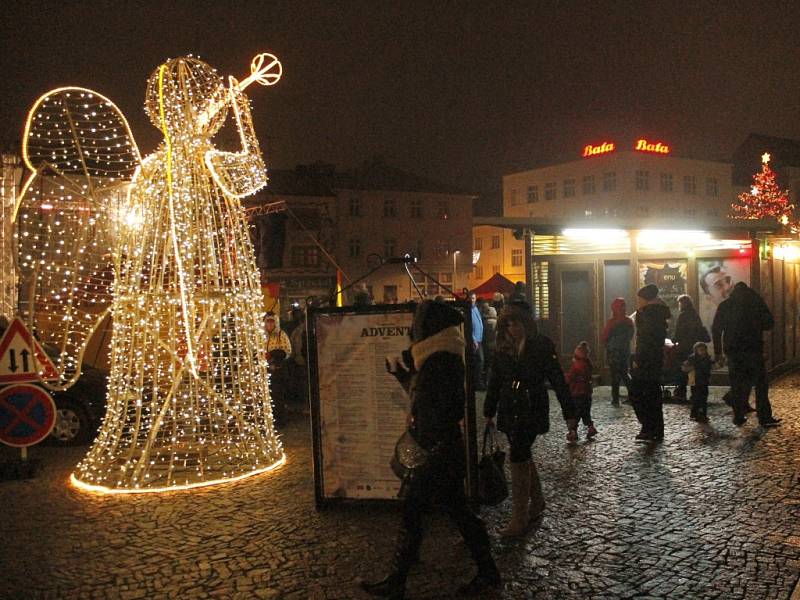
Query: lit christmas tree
point(765, 199)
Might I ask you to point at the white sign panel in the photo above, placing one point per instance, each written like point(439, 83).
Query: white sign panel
point(362, 408)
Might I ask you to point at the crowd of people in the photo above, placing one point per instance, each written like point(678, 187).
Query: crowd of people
point(514, 363)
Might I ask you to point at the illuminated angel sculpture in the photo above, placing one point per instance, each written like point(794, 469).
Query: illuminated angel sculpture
point(165, 241)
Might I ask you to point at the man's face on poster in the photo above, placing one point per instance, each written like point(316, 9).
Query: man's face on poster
point(717, 285)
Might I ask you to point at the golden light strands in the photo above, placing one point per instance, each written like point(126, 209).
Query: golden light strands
point(188, 398)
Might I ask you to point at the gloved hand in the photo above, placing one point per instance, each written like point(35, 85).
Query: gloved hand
point(402, 367)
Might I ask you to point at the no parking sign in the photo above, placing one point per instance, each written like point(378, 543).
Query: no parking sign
point(27, 415)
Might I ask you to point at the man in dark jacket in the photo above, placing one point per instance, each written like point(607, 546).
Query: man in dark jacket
point(648, 360)
point(740, 323)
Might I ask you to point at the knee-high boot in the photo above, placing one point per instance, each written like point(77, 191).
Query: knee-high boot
point(409, 538)
point(520, 495)
point(536, 495)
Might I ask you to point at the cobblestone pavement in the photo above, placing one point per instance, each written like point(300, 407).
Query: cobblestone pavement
point(713, 512)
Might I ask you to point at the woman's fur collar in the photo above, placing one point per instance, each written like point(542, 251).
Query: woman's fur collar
point(447, 340)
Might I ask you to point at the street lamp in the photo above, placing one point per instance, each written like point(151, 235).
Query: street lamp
point(455, 253)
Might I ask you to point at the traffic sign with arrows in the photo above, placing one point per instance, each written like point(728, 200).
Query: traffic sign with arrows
point(22, 358)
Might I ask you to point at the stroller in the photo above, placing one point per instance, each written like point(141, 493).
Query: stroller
point(671, 372)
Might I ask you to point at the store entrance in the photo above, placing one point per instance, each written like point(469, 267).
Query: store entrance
point(576, 307)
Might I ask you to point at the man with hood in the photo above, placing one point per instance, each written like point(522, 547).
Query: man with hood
point(433, 374)
point(739, 325)
point(648, 361)
point(616, 337)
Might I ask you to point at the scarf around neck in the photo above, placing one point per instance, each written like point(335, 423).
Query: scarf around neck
point(447, 340)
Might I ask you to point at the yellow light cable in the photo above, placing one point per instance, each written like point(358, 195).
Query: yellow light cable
point(186, 326)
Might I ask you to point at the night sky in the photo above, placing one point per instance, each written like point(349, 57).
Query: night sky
point(462, 92)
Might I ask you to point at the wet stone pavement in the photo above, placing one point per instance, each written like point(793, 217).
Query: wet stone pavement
point(713, 512)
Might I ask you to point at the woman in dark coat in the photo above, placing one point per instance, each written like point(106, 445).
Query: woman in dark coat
point(689, 329)
point(524, 359)
point(435, 383)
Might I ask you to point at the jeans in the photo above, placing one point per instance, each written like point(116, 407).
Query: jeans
point(647, 404)
point(477, 367)
point(446, 489)
point(619, 373)
point(746, 370)
point(699, 400)
point(519, 445)
point(583, 404)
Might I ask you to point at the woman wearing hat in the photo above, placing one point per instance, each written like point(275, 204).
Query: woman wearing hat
point(524, 359)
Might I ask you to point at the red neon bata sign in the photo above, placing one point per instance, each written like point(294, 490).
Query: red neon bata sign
point(643, 145)
point(603, 148)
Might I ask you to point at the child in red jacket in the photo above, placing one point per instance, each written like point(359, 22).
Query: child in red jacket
point(579, 378)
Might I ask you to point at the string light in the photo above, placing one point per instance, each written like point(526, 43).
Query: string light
point(766, 200)
point(188, 398)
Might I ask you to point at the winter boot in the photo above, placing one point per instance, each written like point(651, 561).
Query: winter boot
point(488, 578)
point(520, 494)
point(393, 586)
point(477, 541)
point(536, 496)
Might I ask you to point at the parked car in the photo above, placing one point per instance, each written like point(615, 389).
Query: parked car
point(80, 409)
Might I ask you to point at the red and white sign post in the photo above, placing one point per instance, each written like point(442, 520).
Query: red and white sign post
point(27, 412)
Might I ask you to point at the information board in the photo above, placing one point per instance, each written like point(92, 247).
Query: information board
point(358, 409)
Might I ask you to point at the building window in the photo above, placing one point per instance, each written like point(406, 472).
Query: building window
point(550, 191)
point(642, 180)
point(419, 250)
point(666, 182)
point(389, 245)
point(569, 188)
point(609, 181)
point(390, 293)
point(442, 211)
point(588, 184)
point(416, 209)
point(441, 248)
point(478, 245)
point(446, 277)
point(540, 290)
point(689, 184)
point(495, 269)
point(712, 187)
point(305, 256)
point(478, 272)
point(516, 257)
point(495, 242)
point(355, 206)
point(355, 248)
point(533, 194)
point(389, 207)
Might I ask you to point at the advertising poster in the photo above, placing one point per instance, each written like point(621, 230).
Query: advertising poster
point(670, 278)
point(362, 408)
point(715, 280)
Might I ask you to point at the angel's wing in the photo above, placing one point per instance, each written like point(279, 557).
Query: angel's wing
point(242, 173)
point(70, 215)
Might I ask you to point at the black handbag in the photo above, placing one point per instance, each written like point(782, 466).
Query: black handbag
point(408, 455)
point(492, 484)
